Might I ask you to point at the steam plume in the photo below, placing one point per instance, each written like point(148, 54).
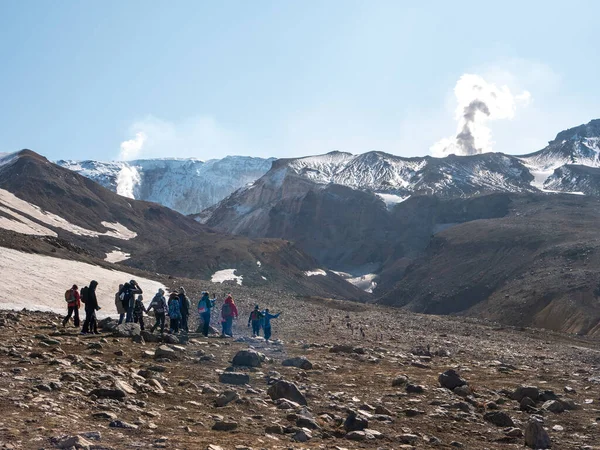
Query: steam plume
point(478, 102)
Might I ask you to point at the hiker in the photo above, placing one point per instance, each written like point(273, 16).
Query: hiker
point(73, 304)
point(138, 311)
point(119, 305)
point(255, 318)
point(268, 317)
point(186, 305)
point(228, 313)
point(127, 296)
point(159, 304)
point(88, 297)
point(204, 307)
point(174, 313)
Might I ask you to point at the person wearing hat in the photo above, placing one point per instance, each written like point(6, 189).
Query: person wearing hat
point(159, 304)
point(73, 305)
point(205, 305)
point(268, 317)
point(255, 319)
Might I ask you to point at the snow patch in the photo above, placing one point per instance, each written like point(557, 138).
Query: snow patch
point(11, 202)
point(258, 263)
point(53, 276)
point(312, 273)
point(227, 275)
point(390, 199)
point(364, 282)
point(117, 256)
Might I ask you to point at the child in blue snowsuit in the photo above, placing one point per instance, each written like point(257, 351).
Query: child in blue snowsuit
point(267, 322)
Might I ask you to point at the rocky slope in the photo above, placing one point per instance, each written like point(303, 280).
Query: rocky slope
point(42, 199)
point(536, 266)
point(185, 185)
point(381, 388)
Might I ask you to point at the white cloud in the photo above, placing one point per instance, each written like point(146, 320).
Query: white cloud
point(199, 137)
point(478, 103)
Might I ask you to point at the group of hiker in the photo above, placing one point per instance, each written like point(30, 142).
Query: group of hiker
point(129, 303)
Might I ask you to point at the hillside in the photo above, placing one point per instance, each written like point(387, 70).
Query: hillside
point(538, 266)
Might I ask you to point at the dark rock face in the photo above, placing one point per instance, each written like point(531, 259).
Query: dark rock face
point(535, 435)
point(354, 422)
point(450, 379)
point(248, 358)
point(116, 394)
point(499, 418)
point(287, 390)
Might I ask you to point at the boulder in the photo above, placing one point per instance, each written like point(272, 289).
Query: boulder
point(248, 358)
point(463, 391)
point(450, 379)
point(108, 324)
point(171, 339)
point(149, 337)
point(127, 330)
point(121, 424)
point(302, 435)
point(526, 404)
point(299, 361)
point(553, 406)
point(164, 351)
point(526, 391)
point(535, 436)
point(236, 378)
point(225, 425)
point(499, 418)
point(354, 422)
point(115, 394)
point(287, 390)
point(70, 442)
point(225, 398)
point(414, 388)
point(400, 380)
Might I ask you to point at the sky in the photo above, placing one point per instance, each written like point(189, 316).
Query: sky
point(143, 79)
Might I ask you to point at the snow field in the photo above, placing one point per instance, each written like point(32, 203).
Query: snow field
point(315, 272)
point(227, 275)
point(39, 282)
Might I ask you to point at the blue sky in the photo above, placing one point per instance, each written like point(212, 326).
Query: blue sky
point(282, 78)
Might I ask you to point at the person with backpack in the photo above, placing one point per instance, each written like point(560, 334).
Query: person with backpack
point(228, 313)
point(73, 304)
point(255, 318)
point(138, 311)
point(127, 296)
point(88, 297)
point(119, 305)
point(205, 305)
point(268, 317)
point(186, 305)
point(174, 313)
point(159, 304)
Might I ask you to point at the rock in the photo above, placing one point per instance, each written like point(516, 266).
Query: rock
point(553, 406)
point(70, 442)
point(514, 432)
point(121, 424)
point(287, 390)
point(354, 422)
point(536, 437)
point(299, 361)
point(125, 387)
point(94, 346)
point(356, 436)
point(106, 415)
point(457, 444)
point(138, 339)
point(164, 351)
point(567, 403)
point(450, 379)
point(463, 391)
point(108, 324)
point(408, 438)
point(248, 358)
point(237, 378)
point(526, 391)
point(307, 422)
point(115, 394)
point(171, 339)
point(225, 425)
point(527, 404)
point(498, 418)
point(342, 348)
point(302, 435)
point(226, 397)
point(127, 330)
point(274, 429)
point(414, 388)
point(149, 337)
point(400, 380)
point(214, 447)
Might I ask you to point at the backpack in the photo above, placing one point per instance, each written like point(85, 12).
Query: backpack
point(69, 296)
point(226, 310)
point(254, 315)
point(174, 309)
point(84, 294)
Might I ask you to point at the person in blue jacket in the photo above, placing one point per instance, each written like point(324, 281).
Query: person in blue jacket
point(267, 323)
point(205, 304)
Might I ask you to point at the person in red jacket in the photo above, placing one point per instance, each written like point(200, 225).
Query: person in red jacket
point(73, 303)
point(228, 313)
